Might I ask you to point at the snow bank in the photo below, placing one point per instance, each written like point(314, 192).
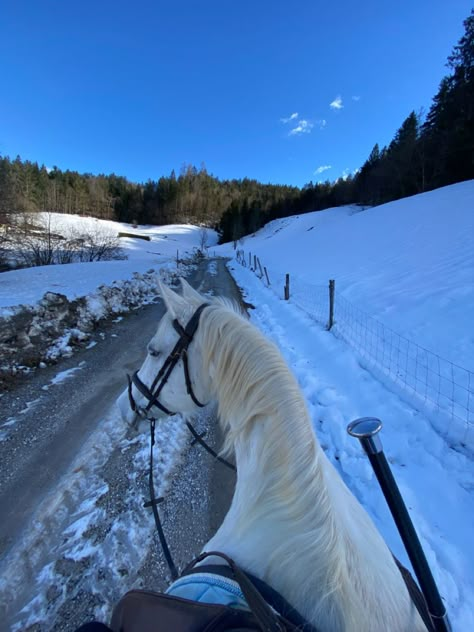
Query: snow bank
point(55, 325)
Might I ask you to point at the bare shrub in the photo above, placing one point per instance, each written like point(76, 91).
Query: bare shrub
point(37, 241)
point(98, 244)
point(34, 241)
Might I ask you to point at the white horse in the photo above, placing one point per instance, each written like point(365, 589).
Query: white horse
point(292, 521)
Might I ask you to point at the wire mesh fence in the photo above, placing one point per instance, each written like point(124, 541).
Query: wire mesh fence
point(444, 390)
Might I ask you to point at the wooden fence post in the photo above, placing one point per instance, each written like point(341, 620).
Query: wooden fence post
point(332, 284)
point(177, 258)
point(250, 259)
point(287, 287)
point(260, 267)
point(255, 263)
point(266, 274)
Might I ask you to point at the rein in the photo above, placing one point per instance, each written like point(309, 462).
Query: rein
point(179, 352)
point(153, 502)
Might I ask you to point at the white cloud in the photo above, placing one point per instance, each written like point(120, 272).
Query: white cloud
point(336, 104)
point(292, 117)
point(356, 98)
point(322, 123)
point(303, 127)
point(322, 168)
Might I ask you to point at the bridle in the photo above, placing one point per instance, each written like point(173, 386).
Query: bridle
point(179, 352)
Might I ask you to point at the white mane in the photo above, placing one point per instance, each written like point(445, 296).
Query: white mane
point(292, 521)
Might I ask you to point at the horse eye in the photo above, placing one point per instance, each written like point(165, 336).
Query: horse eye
point(153, 352)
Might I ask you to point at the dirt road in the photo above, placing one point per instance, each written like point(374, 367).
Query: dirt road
point(73, 532)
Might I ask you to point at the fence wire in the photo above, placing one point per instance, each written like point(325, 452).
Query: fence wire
point(444, 390)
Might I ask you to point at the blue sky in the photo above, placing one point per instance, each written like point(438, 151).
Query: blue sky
point(265, 89)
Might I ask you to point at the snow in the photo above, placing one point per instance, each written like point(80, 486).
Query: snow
point(27, 286)
point(64, 375)
point(410, 265)
point(53, 308)
point(91, 537)
point(436, 481)
point(404, 274)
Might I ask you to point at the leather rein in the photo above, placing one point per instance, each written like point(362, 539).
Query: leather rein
point(152, 394)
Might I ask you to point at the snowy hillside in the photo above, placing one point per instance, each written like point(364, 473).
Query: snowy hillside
point(409, 264)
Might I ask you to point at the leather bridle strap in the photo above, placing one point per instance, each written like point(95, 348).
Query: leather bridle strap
point(179, 352)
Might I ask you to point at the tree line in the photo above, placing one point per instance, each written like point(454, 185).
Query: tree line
point(194, 196)
point(426, 152)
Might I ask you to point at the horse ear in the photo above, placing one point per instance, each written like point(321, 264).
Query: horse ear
point(175, 304)
point(190, 293)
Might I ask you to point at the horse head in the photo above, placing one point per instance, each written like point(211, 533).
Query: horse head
point(170, 379)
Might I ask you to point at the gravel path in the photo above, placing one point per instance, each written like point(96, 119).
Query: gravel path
point(74, 535)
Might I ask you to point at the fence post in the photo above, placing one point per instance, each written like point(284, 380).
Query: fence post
point(266, 274)
point(255, 263)
point(260, 267)
point(287, 287)
point(332, 284)
point(177, 258)
point(250, 259)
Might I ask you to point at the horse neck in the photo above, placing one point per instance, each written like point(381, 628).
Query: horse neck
point(292, 520)
point(281, 493)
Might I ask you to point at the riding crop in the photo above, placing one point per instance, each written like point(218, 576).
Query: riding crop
point(366, 430)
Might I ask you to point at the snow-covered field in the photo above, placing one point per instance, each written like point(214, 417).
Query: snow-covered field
point(27, 286)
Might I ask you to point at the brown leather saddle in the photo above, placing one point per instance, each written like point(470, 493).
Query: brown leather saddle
point(146, 611)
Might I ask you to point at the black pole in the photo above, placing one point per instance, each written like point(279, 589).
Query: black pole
point(332, 284)
point(366, 430)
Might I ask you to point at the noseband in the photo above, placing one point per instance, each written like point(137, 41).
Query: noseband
point(180, 351)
